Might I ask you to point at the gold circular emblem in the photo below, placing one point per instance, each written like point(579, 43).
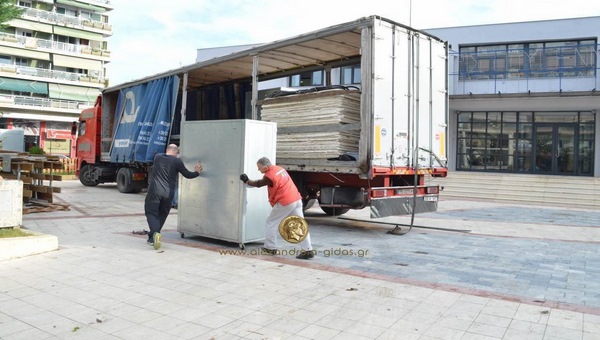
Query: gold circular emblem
point(293, 229)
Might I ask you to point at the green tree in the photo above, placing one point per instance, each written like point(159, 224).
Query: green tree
point(8, 11)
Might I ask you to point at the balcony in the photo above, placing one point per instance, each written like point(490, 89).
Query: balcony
point(62, 19)
point(54, 74)
point(40, 105)
point(53, 46)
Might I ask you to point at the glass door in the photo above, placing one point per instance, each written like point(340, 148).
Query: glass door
point(555, 149)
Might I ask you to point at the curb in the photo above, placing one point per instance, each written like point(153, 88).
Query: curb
point(15, 247)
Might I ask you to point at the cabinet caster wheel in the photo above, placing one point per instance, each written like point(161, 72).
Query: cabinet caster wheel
point(242, 246)
point(182, 235)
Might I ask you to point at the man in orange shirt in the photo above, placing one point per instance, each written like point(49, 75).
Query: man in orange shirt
point(286, 201)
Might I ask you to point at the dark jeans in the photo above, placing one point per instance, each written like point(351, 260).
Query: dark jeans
point(157, 209)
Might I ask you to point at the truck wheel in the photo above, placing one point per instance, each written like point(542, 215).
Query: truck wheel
point(138, 186)
point(124, 181)
point(334, 211)
point(85, 176)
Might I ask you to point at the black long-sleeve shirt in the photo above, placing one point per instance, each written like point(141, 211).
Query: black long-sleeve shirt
point(163, 177)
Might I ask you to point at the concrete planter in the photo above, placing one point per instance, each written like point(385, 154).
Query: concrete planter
point(14, 247)
point(11, 209)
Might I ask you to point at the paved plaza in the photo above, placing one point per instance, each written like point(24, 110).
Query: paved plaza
point(472, 270)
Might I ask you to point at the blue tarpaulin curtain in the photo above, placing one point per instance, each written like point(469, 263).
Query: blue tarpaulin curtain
point(145, 114)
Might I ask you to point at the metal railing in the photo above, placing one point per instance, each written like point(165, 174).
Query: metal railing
point(44, 102)
point(35, 43)
point(519, 71)
point(54, 74)
point(53, 17)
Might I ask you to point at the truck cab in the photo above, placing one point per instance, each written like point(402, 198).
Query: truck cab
point(88, 143)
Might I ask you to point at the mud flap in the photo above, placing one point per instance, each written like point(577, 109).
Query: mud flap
point(393, 206)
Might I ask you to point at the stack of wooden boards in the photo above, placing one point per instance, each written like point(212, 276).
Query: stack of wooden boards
point(315, 125)
point(37, 174)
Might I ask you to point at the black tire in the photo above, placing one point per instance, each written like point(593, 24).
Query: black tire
point(124, 184)
point(334, 211)
point(138, 186)
point(85, 176)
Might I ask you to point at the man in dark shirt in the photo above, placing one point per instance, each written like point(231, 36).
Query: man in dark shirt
point(161, 189)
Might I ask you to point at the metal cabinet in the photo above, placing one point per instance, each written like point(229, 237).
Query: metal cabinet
point(217, 204)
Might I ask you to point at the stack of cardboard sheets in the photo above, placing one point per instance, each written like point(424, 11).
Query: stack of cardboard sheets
point(308, 124)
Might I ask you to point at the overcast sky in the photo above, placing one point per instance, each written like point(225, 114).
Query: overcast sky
point(151, 37)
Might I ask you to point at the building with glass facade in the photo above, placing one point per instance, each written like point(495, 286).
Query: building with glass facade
point(52, 65)
point(524, 97)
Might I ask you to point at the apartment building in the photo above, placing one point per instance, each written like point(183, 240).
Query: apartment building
point(524, 97)
point(52, 65)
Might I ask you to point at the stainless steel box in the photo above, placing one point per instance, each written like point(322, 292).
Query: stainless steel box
point(217, 204)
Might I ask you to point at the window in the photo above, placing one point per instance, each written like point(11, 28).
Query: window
point(82, 128)
point(5, 59)
point(350, 75)
point(506, 141)
point(307, 79)
point(24, 33)
point(85, 15)
point(21, 61)
point(586, 143)
point(43, 64)
point(66, 11)
point(574, 58)
point(25, 4)
point(65, 39)
point(76, 70)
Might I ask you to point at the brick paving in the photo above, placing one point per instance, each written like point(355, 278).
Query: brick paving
point(519, 273)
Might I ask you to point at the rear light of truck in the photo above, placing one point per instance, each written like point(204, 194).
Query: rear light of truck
point(138, 176)
point(433, 190)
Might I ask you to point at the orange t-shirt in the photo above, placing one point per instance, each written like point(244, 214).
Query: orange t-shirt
point(284, 190)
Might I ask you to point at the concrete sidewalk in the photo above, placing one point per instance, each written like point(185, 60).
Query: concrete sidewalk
point(518, 273)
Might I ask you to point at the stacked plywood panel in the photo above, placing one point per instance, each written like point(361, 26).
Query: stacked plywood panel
point(312, 125)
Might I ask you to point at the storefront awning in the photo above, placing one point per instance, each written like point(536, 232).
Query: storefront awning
point(86, 64)
point(82, 5)
point(70, 32)
point(69, 92)
point(10, 84)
